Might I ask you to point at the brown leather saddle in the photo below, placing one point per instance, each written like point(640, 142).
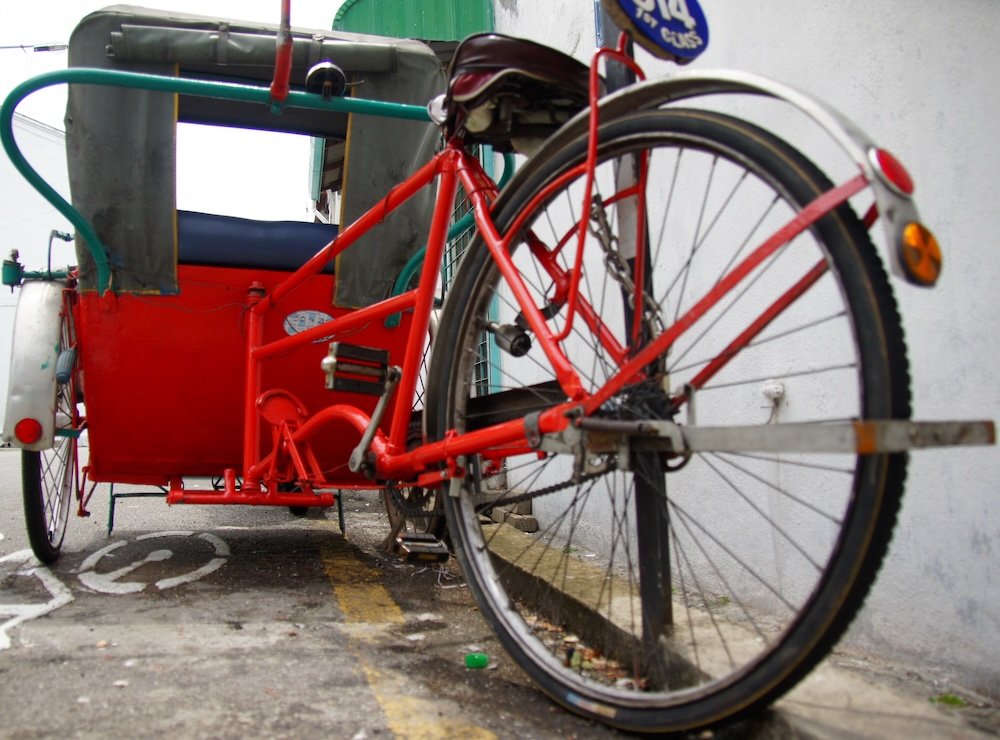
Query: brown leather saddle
point(512, 93)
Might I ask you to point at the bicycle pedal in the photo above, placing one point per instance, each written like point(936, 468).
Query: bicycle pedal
point(420, 547)
point(356, 369)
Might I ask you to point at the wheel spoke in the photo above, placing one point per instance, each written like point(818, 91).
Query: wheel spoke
point(657, 585)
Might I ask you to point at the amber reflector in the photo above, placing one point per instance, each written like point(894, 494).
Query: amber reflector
point(921, 254)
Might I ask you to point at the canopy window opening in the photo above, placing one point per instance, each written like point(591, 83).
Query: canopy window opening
point(242, 172)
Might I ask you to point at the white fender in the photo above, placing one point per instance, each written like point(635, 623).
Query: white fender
point(896, 209)
point(37, 340)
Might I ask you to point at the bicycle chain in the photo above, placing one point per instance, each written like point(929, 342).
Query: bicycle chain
point(411, 512)
point(406, 509)
point(618, 268)
point(544, 491)
point(620, 272)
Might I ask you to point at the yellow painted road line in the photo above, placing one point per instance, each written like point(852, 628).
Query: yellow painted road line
point(415, 718)
point(366, 603)
point(361, 597)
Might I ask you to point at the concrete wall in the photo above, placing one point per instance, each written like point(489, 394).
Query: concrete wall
point(920, 77)
point(27, 218)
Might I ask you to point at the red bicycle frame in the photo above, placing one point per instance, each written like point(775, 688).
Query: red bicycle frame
point(433, 462)
point(451, 167)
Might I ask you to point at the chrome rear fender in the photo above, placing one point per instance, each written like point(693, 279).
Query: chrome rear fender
point(35, 350)
point(895, 207)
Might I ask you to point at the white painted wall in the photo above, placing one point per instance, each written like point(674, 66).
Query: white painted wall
point(26, 219)
point(920, 77)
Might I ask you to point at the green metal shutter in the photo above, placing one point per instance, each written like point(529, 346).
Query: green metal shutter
point(443, 20)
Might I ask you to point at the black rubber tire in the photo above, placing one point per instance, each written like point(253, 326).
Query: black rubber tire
point(863, 525)
point(48, 496)
point(44, 534)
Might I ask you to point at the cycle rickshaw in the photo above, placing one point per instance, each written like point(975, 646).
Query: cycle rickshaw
point(178, 286)
point(654, 274)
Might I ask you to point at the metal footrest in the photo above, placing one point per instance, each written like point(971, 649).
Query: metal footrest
point(355, 369)
point(421, 547)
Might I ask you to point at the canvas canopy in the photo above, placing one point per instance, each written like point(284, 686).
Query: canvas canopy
point(121, 142)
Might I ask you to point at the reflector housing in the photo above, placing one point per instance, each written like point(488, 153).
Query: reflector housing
point(892, 171)
point(28, 431)
point(921, 253)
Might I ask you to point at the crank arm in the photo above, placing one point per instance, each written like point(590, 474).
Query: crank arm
point(360, 453)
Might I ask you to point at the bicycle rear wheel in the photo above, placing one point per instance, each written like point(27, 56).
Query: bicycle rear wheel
point(50, 478)
point(664, 593)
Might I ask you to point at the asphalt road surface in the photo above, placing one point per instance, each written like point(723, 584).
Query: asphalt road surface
point(248, 622)
point(218, 621)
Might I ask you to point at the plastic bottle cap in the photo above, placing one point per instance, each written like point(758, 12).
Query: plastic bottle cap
point(476, 660)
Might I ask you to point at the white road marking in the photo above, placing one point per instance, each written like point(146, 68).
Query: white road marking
point(109, 582)
point(20, 613)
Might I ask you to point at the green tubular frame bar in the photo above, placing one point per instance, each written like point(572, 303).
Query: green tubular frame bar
point(14, 274)
point(203, 88)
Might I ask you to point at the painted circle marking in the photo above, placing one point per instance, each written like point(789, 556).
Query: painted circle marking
point(110, 582)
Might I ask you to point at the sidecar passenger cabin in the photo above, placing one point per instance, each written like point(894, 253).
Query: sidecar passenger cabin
point(121, 146)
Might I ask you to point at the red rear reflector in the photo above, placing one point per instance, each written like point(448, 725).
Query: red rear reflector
point(892, 171)
point(28, 431)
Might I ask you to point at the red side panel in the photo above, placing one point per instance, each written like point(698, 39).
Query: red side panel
point(164, 376)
